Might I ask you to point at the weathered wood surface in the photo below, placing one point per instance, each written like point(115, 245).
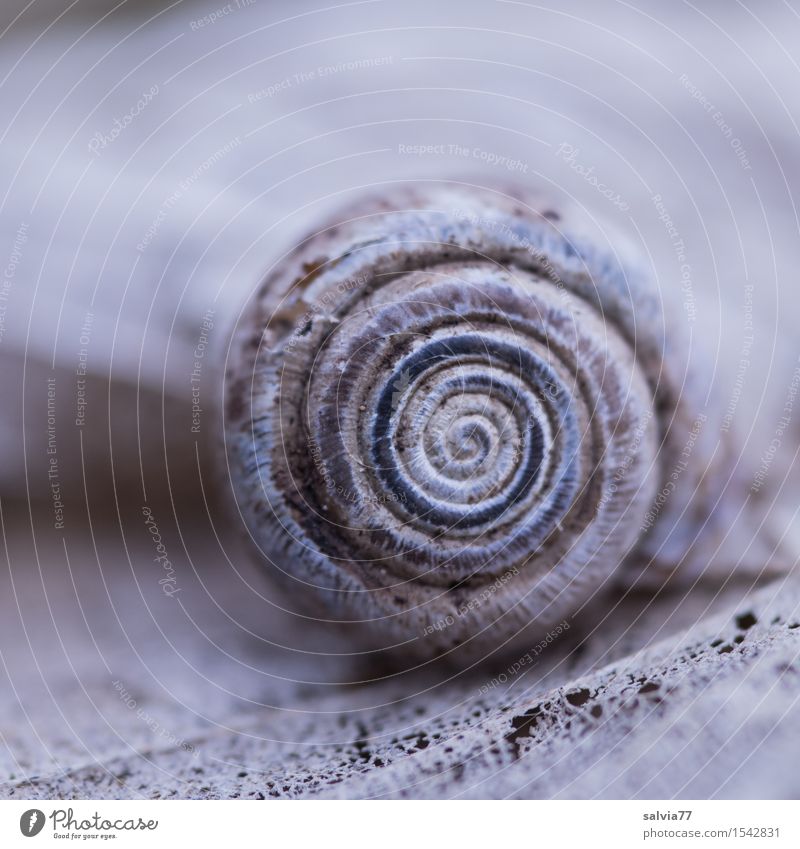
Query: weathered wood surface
point(686, 117)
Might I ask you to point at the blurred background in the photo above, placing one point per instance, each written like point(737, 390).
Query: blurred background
point(157, 159)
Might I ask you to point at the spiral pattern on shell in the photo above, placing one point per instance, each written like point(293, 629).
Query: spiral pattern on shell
point(446, 409)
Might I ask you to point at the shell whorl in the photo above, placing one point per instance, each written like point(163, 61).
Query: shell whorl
point(446, 410)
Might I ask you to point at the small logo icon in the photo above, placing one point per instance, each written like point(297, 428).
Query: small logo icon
point(399, 388)
point(31, 822)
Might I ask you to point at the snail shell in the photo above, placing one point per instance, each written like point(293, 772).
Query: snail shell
point(445, 417)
